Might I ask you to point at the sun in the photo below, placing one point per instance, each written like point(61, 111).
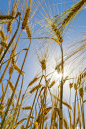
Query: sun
point(58, 75)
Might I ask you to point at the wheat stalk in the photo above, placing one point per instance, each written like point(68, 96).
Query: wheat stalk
point(3, 89)
point(11, 41)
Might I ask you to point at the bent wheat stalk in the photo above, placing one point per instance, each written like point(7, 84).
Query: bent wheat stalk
point(6, 17)
point(45, 38)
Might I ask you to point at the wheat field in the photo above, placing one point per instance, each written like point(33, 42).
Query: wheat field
point(42, 64)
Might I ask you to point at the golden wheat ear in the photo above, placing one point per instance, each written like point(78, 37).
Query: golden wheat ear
point(11, 41)
point(33, 81)
point(35, 88)
point(28, 31)
point(52, 84)
point(19, 122)
point(11, 85)
point(14, 9)
point(57, 32)
point(3, 44)
point(2, 34)
point(72, 12)
point(27, 14)
point(65, 123)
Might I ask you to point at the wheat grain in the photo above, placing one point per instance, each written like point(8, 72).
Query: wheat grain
point(3, 44)
point(57, 32)
point(2, 34)
point(25, 108)
point(11, 85)
point(43, 64)
point(52, 83)
point(58, 68)
point(10, 70)
point(9, 26)
point(65, 123)
point(33, 81)
point(81, 91)
point(1, 50)
point(71, 85)
point(13, 57)
point(17, 69)
point(75, 86)
point(19, 123)
point(7, 37)
point(84, 101)
point(35, 88)
point(27, 14)
point(28, 31)
point(45, 112)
